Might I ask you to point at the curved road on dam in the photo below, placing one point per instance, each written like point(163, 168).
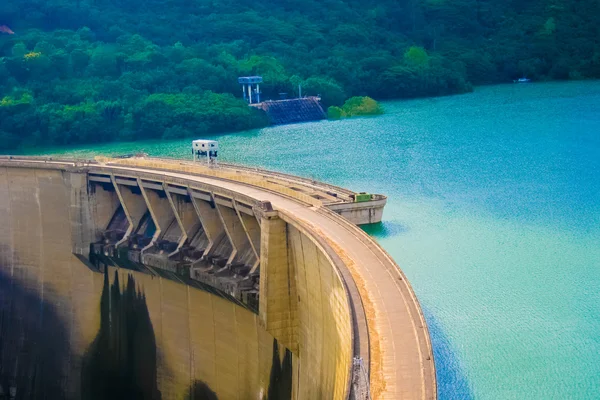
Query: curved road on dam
point(404, 367)
point(399, 348)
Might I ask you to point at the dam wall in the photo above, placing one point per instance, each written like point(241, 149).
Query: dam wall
point(304, 303)
point(292, 111)
point(144, 285)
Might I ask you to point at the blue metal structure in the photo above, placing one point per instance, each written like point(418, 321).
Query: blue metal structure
point(251, 88)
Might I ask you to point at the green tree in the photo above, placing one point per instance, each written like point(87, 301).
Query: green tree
point(416, 57)
point(334, 112)
point(108, 57)
point(330, 91)
point(103, 62)
point(361, 106)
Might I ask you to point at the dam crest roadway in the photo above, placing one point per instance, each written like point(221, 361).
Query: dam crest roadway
point(284, 250)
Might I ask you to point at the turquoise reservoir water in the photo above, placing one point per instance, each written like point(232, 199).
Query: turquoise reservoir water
point(494, 215)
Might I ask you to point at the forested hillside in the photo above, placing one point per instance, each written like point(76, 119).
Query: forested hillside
point(98, 70)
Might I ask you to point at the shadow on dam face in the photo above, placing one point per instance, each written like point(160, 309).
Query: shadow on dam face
point(280, 383)
point(33, 344)
point(121, 363)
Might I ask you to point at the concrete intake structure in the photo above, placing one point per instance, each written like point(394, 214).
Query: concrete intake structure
point(162, 279)
point(291, 111)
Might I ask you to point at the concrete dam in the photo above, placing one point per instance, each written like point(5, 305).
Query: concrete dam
point(163, 279)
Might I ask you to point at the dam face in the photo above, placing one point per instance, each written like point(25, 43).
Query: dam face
point(131, 285)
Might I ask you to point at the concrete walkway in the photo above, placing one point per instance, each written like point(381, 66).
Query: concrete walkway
point(402, 364)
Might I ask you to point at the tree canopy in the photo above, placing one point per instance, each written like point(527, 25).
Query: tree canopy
point(356, 106)
point(98, 70)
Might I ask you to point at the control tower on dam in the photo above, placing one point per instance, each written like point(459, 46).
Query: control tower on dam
point(163, 279)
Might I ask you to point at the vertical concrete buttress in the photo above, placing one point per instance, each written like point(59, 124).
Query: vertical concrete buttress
point(182, 227)
point(277, 306)
point(104, 205)
point(235, 232)
point(134, 208)
point(209, 218)
point(252, 230)
point(160, 211)
point(188, 215)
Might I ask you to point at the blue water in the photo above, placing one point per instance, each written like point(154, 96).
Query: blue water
point(493, 213)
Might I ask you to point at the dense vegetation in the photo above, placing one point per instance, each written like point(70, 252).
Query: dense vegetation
point(97, 70)
point(356, 106)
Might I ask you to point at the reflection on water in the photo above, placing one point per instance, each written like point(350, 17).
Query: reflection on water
point(385, 229)
point(452, 383)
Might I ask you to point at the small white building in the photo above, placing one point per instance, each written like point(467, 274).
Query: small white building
point(205, 150)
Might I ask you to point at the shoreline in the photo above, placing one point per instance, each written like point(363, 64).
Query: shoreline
point(59, 149)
